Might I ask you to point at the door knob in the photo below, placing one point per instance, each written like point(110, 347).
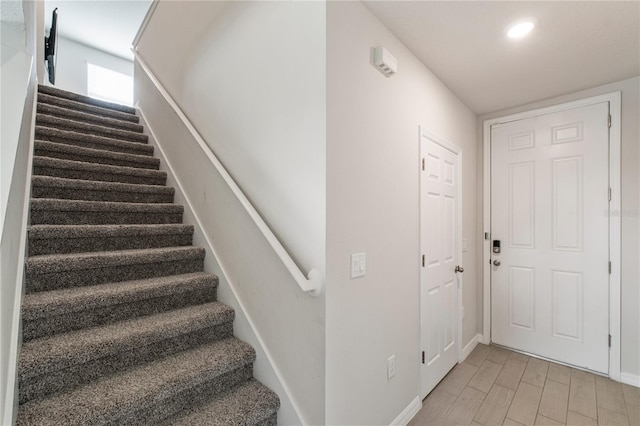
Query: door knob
point(459, 269)
point(496, 262)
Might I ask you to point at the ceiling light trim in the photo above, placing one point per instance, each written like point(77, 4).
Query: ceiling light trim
point(521, 28)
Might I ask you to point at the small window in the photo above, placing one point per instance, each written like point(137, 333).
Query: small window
point(109, 85)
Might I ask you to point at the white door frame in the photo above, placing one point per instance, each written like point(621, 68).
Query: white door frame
point(614, 100)
point(423, 132)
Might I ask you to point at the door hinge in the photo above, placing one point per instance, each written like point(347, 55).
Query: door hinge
point(609, 122)
point(423, 260)
point(609, 346)
point(423, 355)
point(609, 267)
point(423, 164)
point(609, 194)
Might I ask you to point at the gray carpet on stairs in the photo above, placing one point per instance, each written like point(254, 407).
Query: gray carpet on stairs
point(91, 155)
point(85, 140)
point(120, 323)
point(58, 167)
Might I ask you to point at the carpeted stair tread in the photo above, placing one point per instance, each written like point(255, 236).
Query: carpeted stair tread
point(90, 155)
point(43, 98)
point(83, 140)
point(55, 271)
point(91, 190)
point(88, 128)
point(88, 118)
point(49, 90)
point(71, 212)
point(70, 169)
point(52, 239)
point(97, 231)
point(49, 354)
point(59, 311)
point(120, 398)
point(57, 302)
point(52, 263)
point(250, 403)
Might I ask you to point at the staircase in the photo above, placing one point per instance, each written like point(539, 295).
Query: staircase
point(120, 324)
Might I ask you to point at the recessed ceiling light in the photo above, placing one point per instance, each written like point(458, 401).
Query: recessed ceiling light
point(521, 28)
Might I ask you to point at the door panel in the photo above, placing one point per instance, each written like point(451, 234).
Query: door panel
point(438, 282)
point(549, 208)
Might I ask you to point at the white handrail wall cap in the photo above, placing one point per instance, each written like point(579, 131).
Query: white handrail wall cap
point(315, 276)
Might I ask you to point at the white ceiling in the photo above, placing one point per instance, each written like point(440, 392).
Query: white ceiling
point(577, 45)
point(106, 25)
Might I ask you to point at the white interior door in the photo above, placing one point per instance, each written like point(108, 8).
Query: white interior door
point(549, 209)
point(439, 236)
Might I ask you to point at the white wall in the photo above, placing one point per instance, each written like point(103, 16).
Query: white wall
point(630, 274)
point(71, 70)
point(251, 78)
point(253, 84)
point(18, 74)
point(373, 207)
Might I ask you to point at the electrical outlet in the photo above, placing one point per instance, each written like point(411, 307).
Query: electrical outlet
point(391, 367)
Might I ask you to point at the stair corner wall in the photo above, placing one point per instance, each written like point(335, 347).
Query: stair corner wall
point(283, 324)
point(18, 121)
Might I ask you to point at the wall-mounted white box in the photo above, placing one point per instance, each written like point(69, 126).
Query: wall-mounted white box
point(358, 265)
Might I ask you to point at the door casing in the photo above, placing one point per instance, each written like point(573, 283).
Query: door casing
point(424, 133)
point(614, 100)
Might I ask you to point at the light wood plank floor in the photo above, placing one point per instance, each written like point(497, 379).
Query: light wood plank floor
point(494, 386)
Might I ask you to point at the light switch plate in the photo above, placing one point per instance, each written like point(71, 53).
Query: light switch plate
point(358, 265)
point(391, 367)
point(465, 244)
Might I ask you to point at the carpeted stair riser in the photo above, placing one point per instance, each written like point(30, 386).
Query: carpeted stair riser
point(75, 372)
point(249, 403)
point(73, 212)
point(69, 169)
point(188, 399)
point(72, 377)
point(272, 420)
point(82, 140)
point(75, 189)
point(88, 128)
point(88, 118)
point(147, 394)
point(52, 312)
point(85, 99)
point(77, 348)
point(68, 152)
point(44, 273)
point(43, 98)
point(45, 239)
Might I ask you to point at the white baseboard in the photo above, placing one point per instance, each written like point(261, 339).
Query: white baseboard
point(469, 347)
point(630, 379)
point(407, 414)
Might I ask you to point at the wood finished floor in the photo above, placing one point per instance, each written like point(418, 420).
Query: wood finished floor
point(494, 386)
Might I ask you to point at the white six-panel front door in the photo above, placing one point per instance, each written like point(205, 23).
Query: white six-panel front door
point(439, 185)
point(549, 209)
